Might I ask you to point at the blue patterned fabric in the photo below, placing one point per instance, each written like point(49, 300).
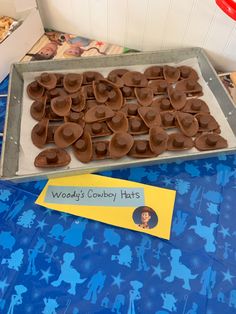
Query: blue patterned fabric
point(4, 86)
point(58, 263)
point(3, 103)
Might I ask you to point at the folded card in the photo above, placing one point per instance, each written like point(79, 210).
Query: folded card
point(117, 202)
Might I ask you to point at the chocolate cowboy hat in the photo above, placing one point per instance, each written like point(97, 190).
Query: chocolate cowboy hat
point(196, 105)
point(168, 120)
point(76, 117)
point(47, 80)
point(162, 104)
point(171, 74)
point(119, 122)
point(187, 123)
point(101, 90)
point(137, 126)
point(83, 148)
point(206, 122)
point(52, 158)
point(35, 91)
point(115, 99)
point(144, 95)
point(135, 79)
point(90, 76)
point(159, 87)
point(37, 109)
point(115, 77)
point(177, 98)
point(72, 82)
point(178, 141)
point(190, 87)
point(98, 114)
point(141, 149)
point(150, 116)
point(98, 129)
point(187, 72)
point(100, 150)
point(210, 141)
point(78, 101)
point(120, 144)
point(61, 105)
point(130, 109)
point(39, 133)
point(67, 134)
point(158, 140)
point(154, 72)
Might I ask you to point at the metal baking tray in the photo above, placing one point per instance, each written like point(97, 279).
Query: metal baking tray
point(11, 139)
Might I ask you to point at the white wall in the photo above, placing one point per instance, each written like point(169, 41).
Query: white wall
point(148, 24)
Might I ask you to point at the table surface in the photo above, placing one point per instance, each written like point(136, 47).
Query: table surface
point(58, 263)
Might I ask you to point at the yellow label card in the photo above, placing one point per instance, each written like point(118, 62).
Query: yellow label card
point(117, 202)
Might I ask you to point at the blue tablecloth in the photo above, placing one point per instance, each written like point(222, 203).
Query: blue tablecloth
point(58, 263)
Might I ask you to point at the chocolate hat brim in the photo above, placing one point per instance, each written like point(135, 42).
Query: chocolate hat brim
point(35, 114)
point(168, 78)
point(204, 107)
point(147, 154)
point(188, 142)
point(75, 88)
point(90, 115)
point(123, 127)
point(60, 141)
point(200, 143)
point(63, 111)
point(212, 125)
point(35, 95)
point(177, 104)
point(85, 90)
point(127, 79)
point(63, 159)
point(118, 80)
point(143, 130)
point(143, 111)
point(150, 76)
point(48, 85)
point(157, 148)
point(40, 140)
point(148, 100)
point(154, 85)
point(116, 152)
point(117, 104)
point(190, 131)
point(85, 156)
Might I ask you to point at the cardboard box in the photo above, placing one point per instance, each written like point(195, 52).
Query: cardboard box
point(13, 48)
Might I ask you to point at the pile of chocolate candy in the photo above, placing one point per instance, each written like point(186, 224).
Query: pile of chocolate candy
point(105, 117)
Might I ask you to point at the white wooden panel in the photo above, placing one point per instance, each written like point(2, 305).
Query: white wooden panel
point(200, 22)
point(136, 12)
point(98, 19)
point(116, 21)
point(81, 17)
point(155, 24)
point(57, 14)
point(176, 22)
